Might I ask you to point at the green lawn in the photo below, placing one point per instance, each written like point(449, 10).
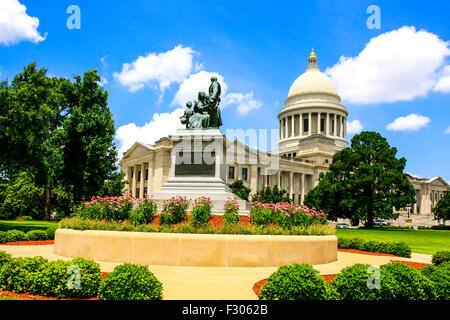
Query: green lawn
point(2, 298)
point(422, 241)
point(25, 226)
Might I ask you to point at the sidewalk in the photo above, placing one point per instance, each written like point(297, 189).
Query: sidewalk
point(209, 283)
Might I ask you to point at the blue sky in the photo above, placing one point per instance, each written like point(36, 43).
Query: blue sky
point(258, 49)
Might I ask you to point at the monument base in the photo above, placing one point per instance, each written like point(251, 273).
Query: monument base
point(199, 168)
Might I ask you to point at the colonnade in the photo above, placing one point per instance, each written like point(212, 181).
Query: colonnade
point(307, 123)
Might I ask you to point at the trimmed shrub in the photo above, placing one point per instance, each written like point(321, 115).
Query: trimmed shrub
point(352, 283)
point(402, 282)
point(35, 235)
point(400, 249)
point(130, 282)
point(3, 237)
point(90, 278)
point(51, 279)
point(4, 258)
point(294, 282)
point(440, 276)
point(16, 235)
point(440, 257)
point(15, 274)
point(201, 211)
point(51, 232)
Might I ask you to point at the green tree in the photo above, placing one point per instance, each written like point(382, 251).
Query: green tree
point(61, 132)
point(273, 195)
point(441, 210)
point(365, 181)
point(240, 189)
point(30, 119)
point(90, 155)
point(21, 197)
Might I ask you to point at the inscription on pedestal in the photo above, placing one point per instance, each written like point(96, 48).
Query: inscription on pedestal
point(195, 164)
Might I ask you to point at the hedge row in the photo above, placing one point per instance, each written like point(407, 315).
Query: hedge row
point(392, 281)
point(33, 235)
point(79, 278)
point(400, 249)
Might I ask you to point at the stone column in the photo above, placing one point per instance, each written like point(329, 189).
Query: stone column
point(318, 123)
point(292, 126)
point(335, 125)
point(342, 126)
point(279, 179)
point(133, 187)
point(150, 176)
point(141, 183)
point(254, 178)
point(302, 187)
point(328, 131)
point(128, 178)
point(309, 123)
point(291, 184)
point(300, 127)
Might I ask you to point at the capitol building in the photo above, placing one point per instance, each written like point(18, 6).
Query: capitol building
point(312, 128)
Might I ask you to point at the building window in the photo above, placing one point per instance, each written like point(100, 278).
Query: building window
point(322, 124)
point(305, 125)
point(281, 181)
point(244, 174)
point(132, 173)
point(146, 174)
point(332, 125)
point(230, 172)
point(294, 154)
point(299, 199)
point(145, 191)
point(139, 176)
point(268, 180)
point(138, 192)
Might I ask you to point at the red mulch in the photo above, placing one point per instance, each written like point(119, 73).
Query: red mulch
point(28, 243)
point(366, 252)
point(215, 221)
point(416, 265)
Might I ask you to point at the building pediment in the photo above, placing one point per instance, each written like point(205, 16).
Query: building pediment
point(137, 149)
point(438, 182)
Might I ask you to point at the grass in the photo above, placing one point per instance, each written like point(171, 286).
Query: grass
point(3, 298)
point(26, 226)
point(421, 241)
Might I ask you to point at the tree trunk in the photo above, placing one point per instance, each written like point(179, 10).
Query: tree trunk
point(46, 209)
point(369, 223)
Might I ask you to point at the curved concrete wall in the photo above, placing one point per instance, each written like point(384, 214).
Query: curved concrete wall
point(207, 250)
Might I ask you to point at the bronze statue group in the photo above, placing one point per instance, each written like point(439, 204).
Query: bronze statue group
point(206, 111)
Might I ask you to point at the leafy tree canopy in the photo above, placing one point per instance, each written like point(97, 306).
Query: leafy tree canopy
point(442, 209)
point(365, 182)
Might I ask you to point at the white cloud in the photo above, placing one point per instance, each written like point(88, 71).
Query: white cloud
point(443, 84)
point(160, 126)
point(412, 122)
point(354, 126)
point(16, 25)
point(164, 68)
point(103, 81)
point(447, 131)
point(399, 65)
point(245, 102)
point(196, 82)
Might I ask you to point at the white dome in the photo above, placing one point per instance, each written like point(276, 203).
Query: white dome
point(313, 81)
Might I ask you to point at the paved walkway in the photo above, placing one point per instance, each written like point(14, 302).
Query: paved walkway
point(214, 283)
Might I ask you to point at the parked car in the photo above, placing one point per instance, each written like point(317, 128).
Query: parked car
point(341, 226)
point(381, 222)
